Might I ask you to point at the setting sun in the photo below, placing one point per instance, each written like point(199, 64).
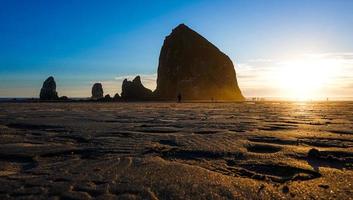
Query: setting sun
point(305, 79)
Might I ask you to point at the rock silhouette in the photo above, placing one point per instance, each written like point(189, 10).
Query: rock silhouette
point(195, 68)
point(48, 91)
point(97, 91)
point(135, 91)
point(107, 98)
point(116, 97)
point(63, 98)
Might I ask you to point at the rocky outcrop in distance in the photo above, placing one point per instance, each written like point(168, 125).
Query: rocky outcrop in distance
point(190, 68)
point(116, 97)
point(107, 98)
point(193, 67)
point(97, 91)
point(48, 91)
point(135, 91)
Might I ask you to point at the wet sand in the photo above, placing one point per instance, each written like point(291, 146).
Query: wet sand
point(176, 151)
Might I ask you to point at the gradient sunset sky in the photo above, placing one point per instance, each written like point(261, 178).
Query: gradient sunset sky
point(278, 47)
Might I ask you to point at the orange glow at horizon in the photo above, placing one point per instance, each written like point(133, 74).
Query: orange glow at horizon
point(306, 79)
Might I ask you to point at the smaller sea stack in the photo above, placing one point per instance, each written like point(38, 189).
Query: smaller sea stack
point(48, 91)
point(135, 91)
point(97, 91)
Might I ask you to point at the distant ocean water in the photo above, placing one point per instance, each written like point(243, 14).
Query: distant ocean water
point(7, 99)
point(286, 99)
point(4, 99)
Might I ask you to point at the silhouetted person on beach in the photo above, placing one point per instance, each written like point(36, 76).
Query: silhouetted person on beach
point(179, 98)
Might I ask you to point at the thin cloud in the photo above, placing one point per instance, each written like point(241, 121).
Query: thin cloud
point(260, 60)
point(132, 76)
point(343, 55)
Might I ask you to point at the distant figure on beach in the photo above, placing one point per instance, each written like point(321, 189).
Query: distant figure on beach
point(179, 98)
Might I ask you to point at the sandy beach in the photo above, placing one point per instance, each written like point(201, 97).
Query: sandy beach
point(249, 150)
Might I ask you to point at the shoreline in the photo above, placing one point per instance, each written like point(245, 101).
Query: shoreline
point(15, 100)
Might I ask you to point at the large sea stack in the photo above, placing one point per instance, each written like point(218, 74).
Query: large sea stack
point(135, 91)
point(97, 91)
point(191, 66)
point(48, 91)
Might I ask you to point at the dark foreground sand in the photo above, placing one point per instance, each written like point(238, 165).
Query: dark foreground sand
point(176, 151)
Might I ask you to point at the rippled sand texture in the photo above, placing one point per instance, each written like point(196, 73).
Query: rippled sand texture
point(176, 151)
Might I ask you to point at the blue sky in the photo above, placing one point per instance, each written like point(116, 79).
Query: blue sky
point(80, 42)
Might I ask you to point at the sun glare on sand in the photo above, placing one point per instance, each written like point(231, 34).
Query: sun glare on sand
point(306, 79)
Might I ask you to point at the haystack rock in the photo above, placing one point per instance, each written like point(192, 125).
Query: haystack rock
point(193, 67)
point(97, 91)
point(134, 90)
point(48, 91)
